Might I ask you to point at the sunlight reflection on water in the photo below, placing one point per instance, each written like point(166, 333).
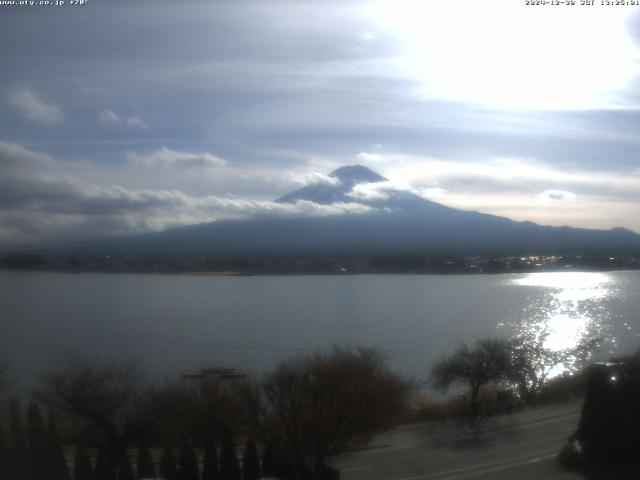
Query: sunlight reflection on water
point(568, 313)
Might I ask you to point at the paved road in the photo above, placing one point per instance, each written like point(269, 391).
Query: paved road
point(519, 446)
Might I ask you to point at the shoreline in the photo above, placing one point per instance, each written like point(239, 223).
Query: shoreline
point(236, 273)
point(207, 273)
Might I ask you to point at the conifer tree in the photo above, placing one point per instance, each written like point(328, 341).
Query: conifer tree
point(4, 455)
point(104, 469)
point(168, 469)
point(286, 471)
point(188, 463)
point(270, 466)
point(18, 460)
point(125, 470)
point(250, 461)
point(229, 467)
point(146, 465)
point(82, 468)
point(37, 440)
point(57, 463)
point(210, 468)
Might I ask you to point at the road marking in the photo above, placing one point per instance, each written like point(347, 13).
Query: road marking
point(520, 427)
point(497, 466)
point(504, 467)
point(375, 450)
point(391, 448)
point(355, 469)
point(465, 452)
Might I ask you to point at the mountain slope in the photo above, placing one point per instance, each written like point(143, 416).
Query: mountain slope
point(399, 222)
point(326, 193)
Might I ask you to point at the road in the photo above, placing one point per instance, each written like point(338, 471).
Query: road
point(520, 446)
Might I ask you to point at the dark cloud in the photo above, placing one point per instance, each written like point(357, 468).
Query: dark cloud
point(13, 155)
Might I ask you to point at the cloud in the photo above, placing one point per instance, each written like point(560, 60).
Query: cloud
point(69, 196)
point(309, 78)
point(112, 118)
point(368, 157)
point(505, 176)
point(520, 73)
point(34, 109)
point(135, 122)
point(384, 190)
point(166, 158)
point(49, 205)
point(312, 178)
point(557, 195)
point(572, 194)
point(434, 193)
point(40, 204)
point(15, 155)
point(248, 207)
point(371, 191)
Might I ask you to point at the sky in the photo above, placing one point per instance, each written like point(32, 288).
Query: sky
point(121, 116)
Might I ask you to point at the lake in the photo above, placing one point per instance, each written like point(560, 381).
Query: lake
point(172, 323)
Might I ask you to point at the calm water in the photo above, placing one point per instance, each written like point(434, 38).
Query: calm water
point(173, 323)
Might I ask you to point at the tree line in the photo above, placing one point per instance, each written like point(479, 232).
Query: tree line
point(36, 451)
point(121, 427)
point(291, 422)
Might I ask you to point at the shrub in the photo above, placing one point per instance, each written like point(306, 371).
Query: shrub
point(168, 470)
point(229, 467)
point(250, 461)
point(146, 467)
point(188, 463)
point(210, 467)
point(82, 469)
point(325, 404)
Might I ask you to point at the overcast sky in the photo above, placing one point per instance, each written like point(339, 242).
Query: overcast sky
point(123, 116)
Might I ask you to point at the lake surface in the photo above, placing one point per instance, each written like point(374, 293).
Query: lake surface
point(175, 322)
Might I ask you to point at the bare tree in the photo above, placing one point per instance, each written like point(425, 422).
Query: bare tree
point(323, 405)
point(487, 361)
point(532, 361)
point(110, 405)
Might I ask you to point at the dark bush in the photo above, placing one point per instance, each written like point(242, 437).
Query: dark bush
point(146, 467)
point(58, 469)
point(229, 467)
point(4, 455)
point(18, 457)
point(270, 463)
point(125, 470)
point(82, 468)
point(210, 467)
point(37, 442)
point(250, 461)
point(188, 463)
point(168, 470)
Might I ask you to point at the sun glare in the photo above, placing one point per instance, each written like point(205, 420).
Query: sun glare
point(504, 54)
point(568, 316)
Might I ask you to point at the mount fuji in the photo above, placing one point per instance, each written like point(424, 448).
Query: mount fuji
point(389, 221)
